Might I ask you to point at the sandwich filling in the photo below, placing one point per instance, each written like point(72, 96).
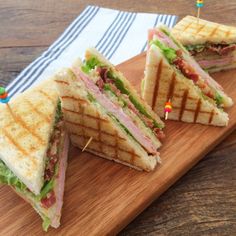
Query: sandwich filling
point(177, 57)
point(213, 55)
point(109, 91)
point(47, 197)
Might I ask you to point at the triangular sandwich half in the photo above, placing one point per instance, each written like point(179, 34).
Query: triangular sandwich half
point(213, 45)
point(99, 102)
point(33, 150)
point(172, 74)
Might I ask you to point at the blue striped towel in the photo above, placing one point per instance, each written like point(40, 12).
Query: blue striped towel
point(119, 35)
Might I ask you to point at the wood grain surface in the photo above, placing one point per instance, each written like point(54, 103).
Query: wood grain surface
point(203, 202)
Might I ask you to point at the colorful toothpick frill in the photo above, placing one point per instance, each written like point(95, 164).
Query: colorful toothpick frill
point(4, 98)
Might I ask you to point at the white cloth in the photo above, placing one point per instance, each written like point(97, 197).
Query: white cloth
point(118, 35)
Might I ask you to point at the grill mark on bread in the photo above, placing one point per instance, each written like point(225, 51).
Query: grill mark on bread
point(41, 114)
point(94, 129)
point(227, 33)
point(156, 87)
point(186, 27)
point(74, 99)
point(171, 87)
point(116, 143)
point(99, 130)
point(82, 114)
point(14, 142)
point(61, 82)
point(175, 95)
point(183, 104)
point(47, 96)
point(132, 159)
point(213, 31)
point(105, 144)
point(200, 28)
point(211, 116)
point(191, 110)
point(197, 110)
point(82, 120)
point(22, 123)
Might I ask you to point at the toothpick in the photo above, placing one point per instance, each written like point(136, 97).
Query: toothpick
point(166, 115)
point(86, 145)
point(198, 14)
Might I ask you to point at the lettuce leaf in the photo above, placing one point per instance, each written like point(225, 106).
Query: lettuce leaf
point(197, 48)
point(90, 64)
point(48, 186)
point(46, 223)
point(58, 112)
point(169, 53)
point(9, 178)
point(120, 85)
point(218, 99)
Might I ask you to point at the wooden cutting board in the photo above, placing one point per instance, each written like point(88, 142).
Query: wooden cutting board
point(102, 197)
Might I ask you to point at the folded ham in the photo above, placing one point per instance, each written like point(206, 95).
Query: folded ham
point(117, 112)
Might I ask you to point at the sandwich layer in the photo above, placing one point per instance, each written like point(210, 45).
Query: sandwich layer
point(205, 40)
point(26, 125)
point(191, 31)
point(163, 83)
point(88, 115)
point(50, 200)
point(180, 58)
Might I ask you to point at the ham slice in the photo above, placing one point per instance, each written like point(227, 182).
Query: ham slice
point(59, 187)
point(117, 112)
point(216, 62)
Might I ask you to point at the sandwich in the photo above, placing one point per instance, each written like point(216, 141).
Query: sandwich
point(171, 74)
point(213, 45)
point(33, 150)
point(99, 104)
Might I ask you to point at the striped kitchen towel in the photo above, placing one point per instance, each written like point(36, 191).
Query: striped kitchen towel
point(119, 35)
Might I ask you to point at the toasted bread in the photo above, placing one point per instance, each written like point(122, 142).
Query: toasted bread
point(164, 82)
point(192, 31)
point(26, 124)
point(85, 119)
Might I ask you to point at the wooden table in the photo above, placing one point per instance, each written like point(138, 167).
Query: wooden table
point(204, 200)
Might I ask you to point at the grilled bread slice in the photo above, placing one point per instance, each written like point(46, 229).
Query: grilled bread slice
point(85, 117)
point(33, 150)
point(213, 45)
point(26, 124)
point(192, 31)
point(163, 82)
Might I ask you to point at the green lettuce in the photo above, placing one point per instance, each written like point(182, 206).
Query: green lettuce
point(169, 53)
point(120, 85)
point(218, 99)
point(90, 97)
point(58, 112)
point(9, 178)
point(90, 64)
point(46, 223)
point(198, 47)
